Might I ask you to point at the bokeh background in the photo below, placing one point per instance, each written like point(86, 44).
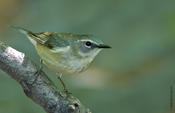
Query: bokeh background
point(133, 77)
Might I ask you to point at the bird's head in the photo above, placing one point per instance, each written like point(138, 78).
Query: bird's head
point(87, 46)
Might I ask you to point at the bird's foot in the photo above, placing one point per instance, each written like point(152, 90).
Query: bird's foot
point(67, 92)
point(38, 72)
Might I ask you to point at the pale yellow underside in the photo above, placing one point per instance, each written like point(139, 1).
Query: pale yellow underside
point(62, 62)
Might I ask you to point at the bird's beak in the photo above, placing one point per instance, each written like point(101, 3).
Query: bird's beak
point(103, 46)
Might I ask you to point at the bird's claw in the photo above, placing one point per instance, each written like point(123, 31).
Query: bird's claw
point(67, 92)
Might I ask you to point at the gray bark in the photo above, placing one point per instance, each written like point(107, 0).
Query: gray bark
point(40, 89)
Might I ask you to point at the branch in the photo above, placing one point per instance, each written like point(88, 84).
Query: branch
point(41, 90)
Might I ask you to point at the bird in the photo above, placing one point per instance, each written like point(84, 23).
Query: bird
point(64, 53)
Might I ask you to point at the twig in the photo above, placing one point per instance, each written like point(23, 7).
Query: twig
point(42, 91)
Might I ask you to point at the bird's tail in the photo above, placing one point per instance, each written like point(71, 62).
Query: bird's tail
point(22, 30)
point(31, 36)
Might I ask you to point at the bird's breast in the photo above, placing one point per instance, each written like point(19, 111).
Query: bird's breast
point(61, 62)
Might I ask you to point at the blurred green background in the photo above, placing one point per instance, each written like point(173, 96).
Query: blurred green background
point(133, 77)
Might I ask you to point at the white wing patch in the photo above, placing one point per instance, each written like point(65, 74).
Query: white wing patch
point(60, 49)
point(88, 40)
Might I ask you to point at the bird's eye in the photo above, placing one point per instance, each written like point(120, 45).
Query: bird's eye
point(88, 44)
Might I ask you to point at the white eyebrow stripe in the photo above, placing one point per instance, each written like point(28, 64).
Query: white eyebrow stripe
point(89, 41)
point(60, 49)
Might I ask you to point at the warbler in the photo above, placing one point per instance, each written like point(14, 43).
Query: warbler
point(65, 53)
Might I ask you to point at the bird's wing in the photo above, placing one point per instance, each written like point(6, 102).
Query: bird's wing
point(41, 38)
point(57, 42)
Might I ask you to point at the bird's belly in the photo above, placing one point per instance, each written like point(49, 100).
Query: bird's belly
point(70, 67)
point(59, 62)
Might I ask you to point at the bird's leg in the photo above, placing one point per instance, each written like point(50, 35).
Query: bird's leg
point(41, 65)
point(64, 86)
point(38, 71)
